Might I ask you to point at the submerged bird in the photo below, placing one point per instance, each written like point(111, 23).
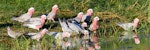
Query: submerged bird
point(87, 17)
point(24, 17)
point(37, 24)
point(12, 33)
point(130, 30)
point(59, 35)
point(94, 26)
point(60, 39)
point(136, 38)
point(52, 14)
point(37, 36)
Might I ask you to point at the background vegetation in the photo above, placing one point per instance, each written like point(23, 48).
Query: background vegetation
point(109, 11)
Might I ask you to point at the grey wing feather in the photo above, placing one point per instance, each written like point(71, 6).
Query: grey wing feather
point(65, 26)
point(125, 26)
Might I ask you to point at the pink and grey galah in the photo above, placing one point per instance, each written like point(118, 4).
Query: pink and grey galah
point(78, 18)
point(75, 26)
point(87, 17)
point(130, 30)
point(37, 36)
point(24, 17)
point(128, 26)
point(52, 14)
point(12, 33)
point(59, 38)
point(94, 26)
point(36, 24)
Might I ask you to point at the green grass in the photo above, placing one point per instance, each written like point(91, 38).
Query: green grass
point(109, 11)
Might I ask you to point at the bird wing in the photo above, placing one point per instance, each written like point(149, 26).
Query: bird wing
point(125, 26)
point(65, 26)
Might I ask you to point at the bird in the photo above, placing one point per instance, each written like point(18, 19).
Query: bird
point(37, 24)
point(51, 15)
point(34, 19)
point(75, 26)
point(59, 35)
point(94, 26)
point(78, 18)
point(60, 39)
point(13, 34)
point(128, 26)
point(86, 35)
point(64, 26)
point(24, 17)
point(87, 17)
point(84, 25)
point(38, 35)
point(95, 40)
point(130, 30)
point(136, 38)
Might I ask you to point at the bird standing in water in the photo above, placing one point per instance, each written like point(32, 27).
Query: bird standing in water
point(130, 30)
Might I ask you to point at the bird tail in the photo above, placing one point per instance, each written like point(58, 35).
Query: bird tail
point(13, 18)
point(27, 36)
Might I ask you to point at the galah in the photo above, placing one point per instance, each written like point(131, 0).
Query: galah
point(78, 18)
point(59, 38)
point(84, 25)
point(64, 26)
point(128, 26)
point(94, 26)
point(37, 36)
point(76, 27)
point(86, 35)
point(91, 48)
point(52, 14)
point(59, 35)
point(76, 41)
point(130, 35)
point(87, 17)
point(24, 17)
point(136, 38)
point(81, 48)
point(12, 33)
point(36, 24)
point(95, 40)
point(66, 44)
point(130, 32)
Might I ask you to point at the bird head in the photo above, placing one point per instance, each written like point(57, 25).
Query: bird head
point(43, 17)
point(44, 31)
point(135, 22)
point(89, 12)
point(54, 8)
point(80, 15)
point(96, 18)
point(31, 10)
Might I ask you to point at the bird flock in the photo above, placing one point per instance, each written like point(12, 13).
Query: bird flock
point(76, 32)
